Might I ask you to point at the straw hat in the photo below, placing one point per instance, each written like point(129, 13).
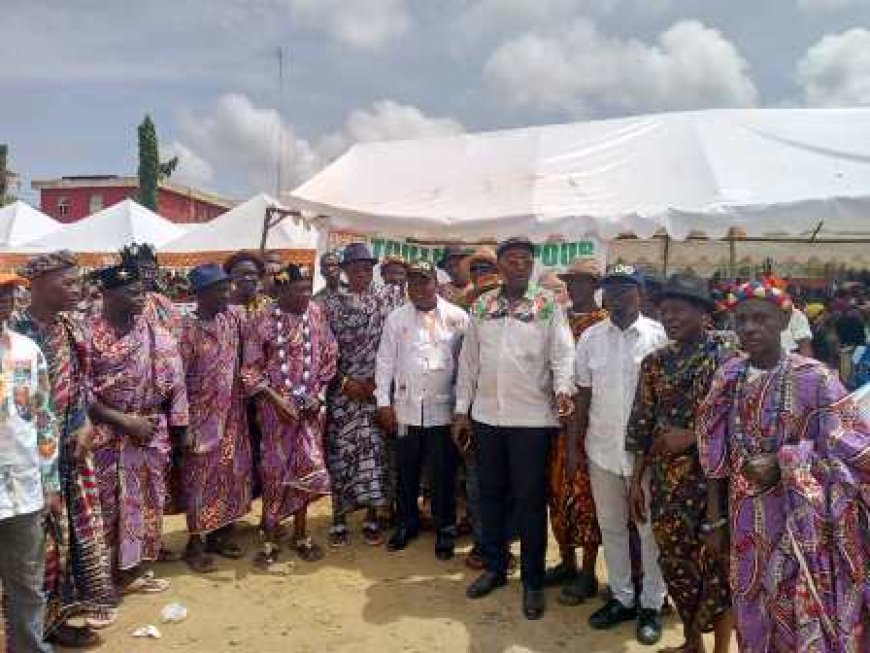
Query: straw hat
point(582, 267)
point(9, 279)
point(484, 254)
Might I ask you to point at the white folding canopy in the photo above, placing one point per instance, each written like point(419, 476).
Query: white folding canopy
point(109, 230)
point(242, 228)
point(20, 222)
point(764, 171)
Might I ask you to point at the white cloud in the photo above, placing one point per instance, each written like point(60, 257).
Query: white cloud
point(836, 70)
point(387, 120)
point(240, 139)
point(578, 68)
point(235, 135)
point(365, 24)
point(192, 169)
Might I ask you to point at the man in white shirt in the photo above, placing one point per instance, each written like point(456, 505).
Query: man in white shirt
point(29, 481)
point(608, 361)
point(516, 378)
point(798, 336)
point(417, 361)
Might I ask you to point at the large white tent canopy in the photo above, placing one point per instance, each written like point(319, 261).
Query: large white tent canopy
point(20, 223)
point(242, 228)
point(109, 230)
point(764, 171)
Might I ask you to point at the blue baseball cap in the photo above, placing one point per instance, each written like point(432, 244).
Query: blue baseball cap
point(203, 276)
point(622, 274)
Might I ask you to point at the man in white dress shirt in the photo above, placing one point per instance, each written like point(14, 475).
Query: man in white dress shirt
point(516, 378)
point(609, 355)
point(417, 360)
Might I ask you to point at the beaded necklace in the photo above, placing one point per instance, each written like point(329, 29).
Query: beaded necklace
point(301, 336)
point(777, 379)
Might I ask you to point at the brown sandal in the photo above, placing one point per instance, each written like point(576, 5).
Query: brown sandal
point(308, 550)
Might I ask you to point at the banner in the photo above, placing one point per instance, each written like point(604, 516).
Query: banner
point(548, 255)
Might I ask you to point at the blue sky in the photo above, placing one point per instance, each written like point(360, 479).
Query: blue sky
point(76, 77)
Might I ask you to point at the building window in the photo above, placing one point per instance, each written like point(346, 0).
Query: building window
point(96, 203)
point(63, 206)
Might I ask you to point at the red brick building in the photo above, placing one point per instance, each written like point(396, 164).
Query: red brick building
point(69, 199)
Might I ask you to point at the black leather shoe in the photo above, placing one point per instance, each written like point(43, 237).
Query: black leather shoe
point(400, 539)
point(534, 603)
point(612, 614)
point(584, 586)
point(649, 626)
point(486, 583)
point(444, 546)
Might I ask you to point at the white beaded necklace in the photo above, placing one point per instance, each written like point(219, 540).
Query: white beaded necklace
point(296, 392)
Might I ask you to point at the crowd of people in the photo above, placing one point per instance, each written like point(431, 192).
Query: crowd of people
point(702, 438)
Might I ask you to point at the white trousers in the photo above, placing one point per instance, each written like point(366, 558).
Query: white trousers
point(610, 492)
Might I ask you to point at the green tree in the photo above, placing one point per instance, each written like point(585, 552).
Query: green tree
point(151, 171)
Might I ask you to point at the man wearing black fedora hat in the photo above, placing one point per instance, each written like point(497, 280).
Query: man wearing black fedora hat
point(357, 454)
point(216, 468)
point(668, 487)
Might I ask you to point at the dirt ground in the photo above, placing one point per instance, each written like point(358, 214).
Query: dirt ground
point(357, 599)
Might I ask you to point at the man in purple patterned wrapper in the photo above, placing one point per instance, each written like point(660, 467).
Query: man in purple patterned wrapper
point(216, 467)
point(778, 434)
point(138, 407)
point(290, 357)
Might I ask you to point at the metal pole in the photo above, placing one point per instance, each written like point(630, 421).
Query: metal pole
point(666, 250)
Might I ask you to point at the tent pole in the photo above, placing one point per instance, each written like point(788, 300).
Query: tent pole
point(666, 251)
point(732, 255)
point(271, 219)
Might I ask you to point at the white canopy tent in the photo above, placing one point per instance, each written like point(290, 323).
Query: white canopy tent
point(795, 172)
point(109, 230)
point(242, 228)
point(20, 223)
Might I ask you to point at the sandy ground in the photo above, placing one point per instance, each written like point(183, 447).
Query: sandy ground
point(357, 599)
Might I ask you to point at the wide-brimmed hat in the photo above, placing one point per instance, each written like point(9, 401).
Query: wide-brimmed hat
point(687, 286)
point(621, 273)
point(357, 252)
point(208, 274)
point(582, 267)
point(484, 254)
point(10, 279)
point(451, 251)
